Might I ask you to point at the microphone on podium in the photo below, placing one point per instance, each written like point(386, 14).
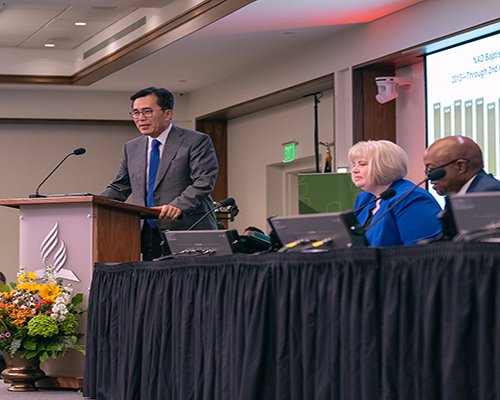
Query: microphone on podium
point(385, 195)
point(76, 152)
point(434, 175)
point(223, 203)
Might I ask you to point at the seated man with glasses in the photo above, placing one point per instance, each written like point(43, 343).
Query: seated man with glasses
point(168, 168)
point(463, 161)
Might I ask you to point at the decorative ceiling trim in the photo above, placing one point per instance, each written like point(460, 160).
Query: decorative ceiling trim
point(182, 25)
point(117, 36)
point(36, 79)
point(284, 96)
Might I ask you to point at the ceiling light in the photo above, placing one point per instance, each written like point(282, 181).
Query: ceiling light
point(49, 45)
point(80, 23)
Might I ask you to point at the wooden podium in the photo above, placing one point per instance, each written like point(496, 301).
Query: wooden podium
point(72, 233)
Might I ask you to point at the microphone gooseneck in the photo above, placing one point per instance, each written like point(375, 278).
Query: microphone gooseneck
point(434, 175)
point(76, 152)
point(223, 203)
point(385, 195)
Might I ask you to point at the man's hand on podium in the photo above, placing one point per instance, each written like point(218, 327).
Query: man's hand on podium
point(168, 212)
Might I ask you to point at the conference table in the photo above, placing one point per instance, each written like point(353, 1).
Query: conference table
point(417, 322)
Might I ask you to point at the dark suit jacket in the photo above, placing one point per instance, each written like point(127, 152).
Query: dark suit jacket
point(186, 177)
point(484, 182)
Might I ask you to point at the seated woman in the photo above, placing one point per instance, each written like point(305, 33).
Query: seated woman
point(378, 165)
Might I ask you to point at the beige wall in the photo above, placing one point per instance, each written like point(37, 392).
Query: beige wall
point(402, 30)
point(28, 153)
point(255, 145)
point(254, 141)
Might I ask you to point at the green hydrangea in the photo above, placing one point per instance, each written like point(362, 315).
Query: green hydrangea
point(69, 325)
point(42, 325)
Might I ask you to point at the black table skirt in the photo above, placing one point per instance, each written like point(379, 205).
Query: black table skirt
point(416, 322)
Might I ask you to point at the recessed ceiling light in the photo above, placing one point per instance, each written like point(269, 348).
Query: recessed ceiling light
point(80, 23)
point(49, 45)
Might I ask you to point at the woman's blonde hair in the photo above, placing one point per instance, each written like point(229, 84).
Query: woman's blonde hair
point(387, 162)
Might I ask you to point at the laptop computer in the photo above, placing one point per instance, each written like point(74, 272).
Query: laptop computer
point(475, 214)
point(318, 232)
point(211, 242)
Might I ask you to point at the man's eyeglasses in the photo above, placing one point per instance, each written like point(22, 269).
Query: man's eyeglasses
point(429, 170)
point(148, 113)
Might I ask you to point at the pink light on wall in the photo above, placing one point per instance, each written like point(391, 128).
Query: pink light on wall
point(268, 15)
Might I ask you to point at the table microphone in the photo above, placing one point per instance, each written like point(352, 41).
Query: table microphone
point(76, 152)
point(385, 195)
point(434, 175)
point(224, 203)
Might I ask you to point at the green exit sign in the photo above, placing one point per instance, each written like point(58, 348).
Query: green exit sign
point(289, 152)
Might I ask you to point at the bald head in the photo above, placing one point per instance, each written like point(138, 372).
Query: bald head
point(465, 157)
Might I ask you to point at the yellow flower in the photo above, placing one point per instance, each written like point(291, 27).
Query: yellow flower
point(28, 286)
point(22, 286)
point(21, 277)
point(33, 287)
point(50, 292)
point(32, 276)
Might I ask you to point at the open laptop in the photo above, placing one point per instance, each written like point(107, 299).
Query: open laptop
point(211, 242)
point(475, 214)
point(318, 232)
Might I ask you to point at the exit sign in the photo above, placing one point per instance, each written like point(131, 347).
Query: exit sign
point(289, 151)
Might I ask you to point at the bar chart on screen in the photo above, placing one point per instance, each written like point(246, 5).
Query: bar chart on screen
point(463, 96)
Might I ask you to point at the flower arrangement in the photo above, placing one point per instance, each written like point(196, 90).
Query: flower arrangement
point(39, 319)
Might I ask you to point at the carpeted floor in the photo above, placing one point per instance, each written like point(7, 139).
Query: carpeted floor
point(42, 394)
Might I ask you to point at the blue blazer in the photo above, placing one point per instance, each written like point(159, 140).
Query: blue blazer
point(415, 218)
point(484, 182)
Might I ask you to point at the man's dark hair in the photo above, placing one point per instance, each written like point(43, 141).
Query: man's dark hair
point(2, 277)
point(165, 98)
point(254, 229)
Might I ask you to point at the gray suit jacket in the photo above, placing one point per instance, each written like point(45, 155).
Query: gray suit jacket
point(186, 177)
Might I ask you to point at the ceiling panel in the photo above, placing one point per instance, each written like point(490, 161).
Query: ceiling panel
point(80, 13)
point(246, 39)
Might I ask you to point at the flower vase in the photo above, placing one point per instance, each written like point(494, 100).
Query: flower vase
point(22, 373)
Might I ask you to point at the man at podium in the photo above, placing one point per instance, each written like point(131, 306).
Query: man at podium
point(168, 168)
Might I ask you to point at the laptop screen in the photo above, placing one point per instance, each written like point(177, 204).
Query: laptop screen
point(213, 242)
point(331, 228)
point(474, 212)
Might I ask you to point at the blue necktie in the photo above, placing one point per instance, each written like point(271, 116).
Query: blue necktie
point(154, 162)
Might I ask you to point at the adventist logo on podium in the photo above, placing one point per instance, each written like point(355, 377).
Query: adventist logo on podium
point(59, 259)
